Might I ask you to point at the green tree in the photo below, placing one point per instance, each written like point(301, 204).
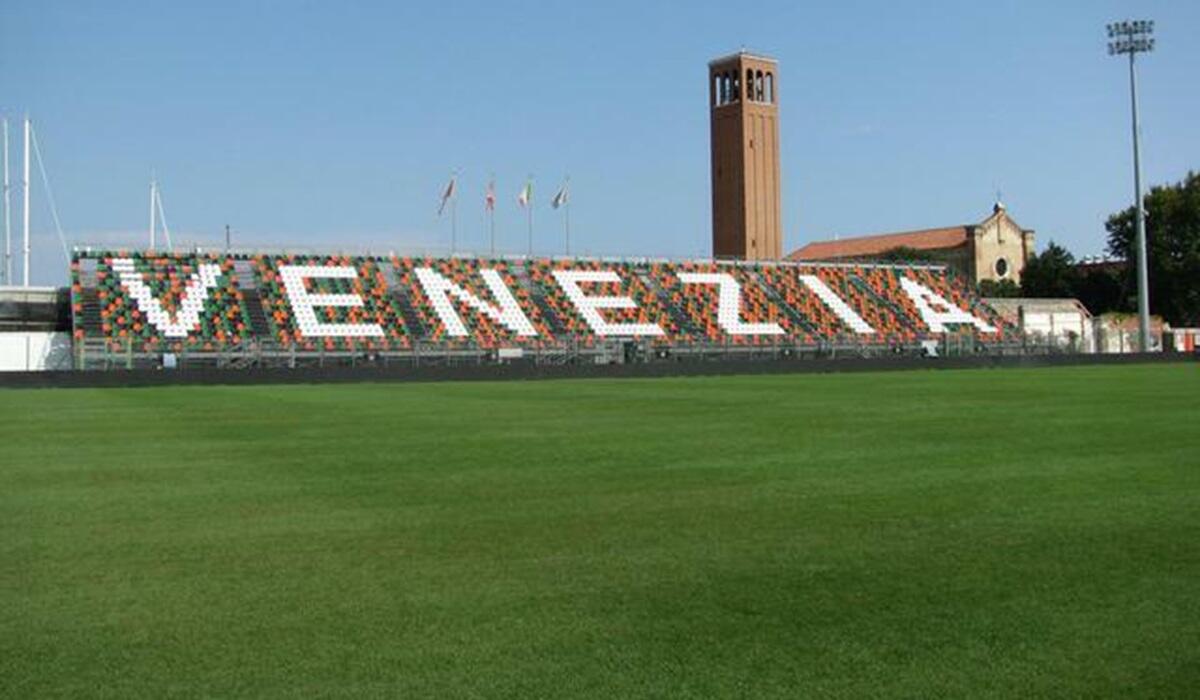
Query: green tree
point(999, 288)
point(1050, 274)
point(1103, 290)
point(1173, 239)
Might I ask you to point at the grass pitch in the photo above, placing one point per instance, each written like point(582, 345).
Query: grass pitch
point(1003, 533)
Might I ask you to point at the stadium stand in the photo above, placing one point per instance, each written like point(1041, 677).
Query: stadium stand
point(600, 279)
point(350, 298)
point(152, 302)
point(157, 302)
point(470, 302)
point(698, 303)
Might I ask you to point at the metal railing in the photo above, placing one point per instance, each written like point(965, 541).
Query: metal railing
point(95, 354)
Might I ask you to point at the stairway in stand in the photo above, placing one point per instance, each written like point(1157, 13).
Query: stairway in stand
point(537, 297)
point(247, 282)
point(400, 300)
point(89, 320)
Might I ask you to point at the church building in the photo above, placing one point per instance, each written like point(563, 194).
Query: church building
point(993, 249)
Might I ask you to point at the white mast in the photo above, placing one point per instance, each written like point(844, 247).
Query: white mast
point(25, 194)
point(162, 216)
point(7, 213)
point(153, 203)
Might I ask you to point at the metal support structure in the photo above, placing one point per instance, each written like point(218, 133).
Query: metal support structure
point(1132, 38)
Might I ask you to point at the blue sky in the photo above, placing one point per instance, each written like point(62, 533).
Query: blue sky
point(326, 125)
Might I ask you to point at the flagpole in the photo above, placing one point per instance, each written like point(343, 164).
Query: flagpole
point(489, 203)
point(450, 196)
point(529, 214)
point(567, 222)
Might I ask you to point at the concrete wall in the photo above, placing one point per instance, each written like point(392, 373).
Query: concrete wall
point(530, 371)
point(35, 352)
point(1062, 327)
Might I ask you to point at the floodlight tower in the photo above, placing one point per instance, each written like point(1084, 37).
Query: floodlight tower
point(1133, 38)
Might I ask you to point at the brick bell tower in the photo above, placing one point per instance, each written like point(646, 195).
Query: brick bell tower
point(744, 109)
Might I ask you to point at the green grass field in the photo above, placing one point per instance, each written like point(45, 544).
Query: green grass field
point(973, 533)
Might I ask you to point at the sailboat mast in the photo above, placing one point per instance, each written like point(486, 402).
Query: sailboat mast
point(7, 213)
point(25, 195)
point(153, 202)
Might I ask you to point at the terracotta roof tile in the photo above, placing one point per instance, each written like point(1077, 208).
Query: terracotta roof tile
point(859, 246)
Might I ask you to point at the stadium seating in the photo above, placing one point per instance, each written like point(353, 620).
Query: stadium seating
point(481, 329)
point(698, 304)
point(363, 279)
point(629, 282)
point(154, 302)
point(955, 291)
point(163, 302)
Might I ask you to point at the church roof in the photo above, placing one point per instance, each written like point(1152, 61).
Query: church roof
point(861, 246)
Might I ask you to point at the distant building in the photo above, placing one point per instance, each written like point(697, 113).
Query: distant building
point(1115, 266)
point(1060, 323)
point(993, 249)
point(35, 329)
point(1185, 340)
point(1118, 333)
point(744, 112)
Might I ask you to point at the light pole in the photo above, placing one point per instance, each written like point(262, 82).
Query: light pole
point(1133, 38)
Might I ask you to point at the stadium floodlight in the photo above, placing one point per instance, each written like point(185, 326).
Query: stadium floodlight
point(1133, 38)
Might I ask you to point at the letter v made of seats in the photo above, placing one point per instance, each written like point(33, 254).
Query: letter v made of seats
point(187, 317)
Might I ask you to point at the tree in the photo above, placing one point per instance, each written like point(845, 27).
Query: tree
point(999, 289)
point(1173, 239)
point(1103, 290)
point(1050, 274)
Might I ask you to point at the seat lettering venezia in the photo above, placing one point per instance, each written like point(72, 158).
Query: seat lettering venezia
point(200, 301)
